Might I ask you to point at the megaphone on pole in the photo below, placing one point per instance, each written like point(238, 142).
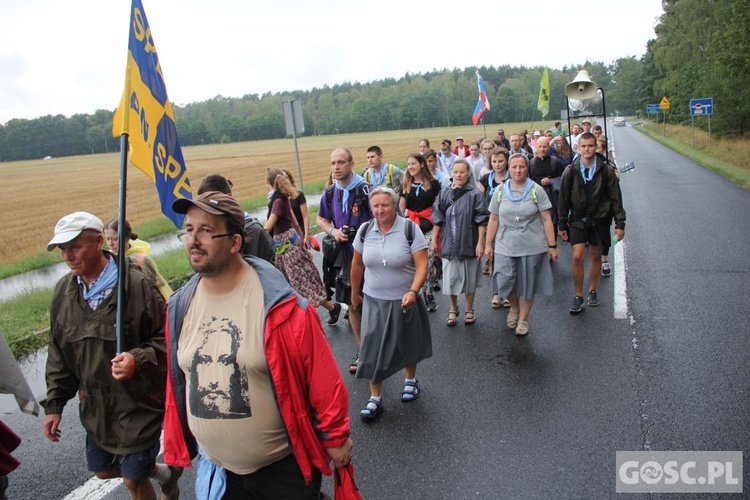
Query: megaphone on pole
point(582, 87)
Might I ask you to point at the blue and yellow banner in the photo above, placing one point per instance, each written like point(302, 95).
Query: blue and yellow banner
point(145, 114)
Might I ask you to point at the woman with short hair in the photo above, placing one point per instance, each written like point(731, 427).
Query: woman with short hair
point(390, 255)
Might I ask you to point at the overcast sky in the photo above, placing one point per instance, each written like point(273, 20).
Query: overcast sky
point(68, 57)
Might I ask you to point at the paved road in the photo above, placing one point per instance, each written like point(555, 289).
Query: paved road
point(542, 416)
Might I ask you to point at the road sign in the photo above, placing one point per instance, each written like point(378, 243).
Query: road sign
point(664, 104)
point(652, 109)
point(703, 106)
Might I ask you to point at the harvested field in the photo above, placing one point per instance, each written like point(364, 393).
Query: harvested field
point(34, 195)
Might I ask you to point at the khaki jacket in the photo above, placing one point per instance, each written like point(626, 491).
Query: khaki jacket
point(121, 417)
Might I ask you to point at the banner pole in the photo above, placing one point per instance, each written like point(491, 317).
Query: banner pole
point(121, 242)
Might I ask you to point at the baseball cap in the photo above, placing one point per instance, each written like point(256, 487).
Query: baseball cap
point(214, 203)
point(69, 227)
point(586, 120)
point(537, 133)
point(459, 138)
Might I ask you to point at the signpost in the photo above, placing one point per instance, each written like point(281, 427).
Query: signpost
point(699, 107)
point(652, 109)
point(295, 124)
point(664, 105)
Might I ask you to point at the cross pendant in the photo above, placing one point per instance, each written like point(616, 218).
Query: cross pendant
point(384, 262)
point(517, 219)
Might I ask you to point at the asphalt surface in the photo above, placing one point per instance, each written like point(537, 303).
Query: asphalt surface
point(542, 416)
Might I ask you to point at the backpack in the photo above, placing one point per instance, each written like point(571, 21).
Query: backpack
point(409, 230)
point(390, 175)
point(361, 194)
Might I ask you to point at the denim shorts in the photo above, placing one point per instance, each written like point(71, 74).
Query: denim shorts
point(135, 466)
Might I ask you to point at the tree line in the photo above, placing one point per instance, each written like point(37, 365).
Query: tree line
point(700, 51)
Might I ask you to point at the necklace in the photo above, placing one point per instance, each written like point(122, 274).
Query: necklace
point(382, 248)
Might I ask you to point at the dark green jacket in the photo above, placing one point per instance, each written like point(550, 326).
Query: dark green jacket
point(121, 417)
point(606, 194)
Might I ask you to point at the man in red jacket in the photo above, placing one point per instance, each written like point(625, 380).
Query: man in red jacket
point(248, 357)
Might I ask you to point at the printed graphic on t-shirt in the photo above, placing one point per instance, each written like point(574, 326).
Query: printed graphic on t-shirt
point(218, 385)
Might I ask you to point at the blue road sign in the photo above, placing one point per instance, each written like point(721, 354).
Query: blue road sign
point(652, 109)
point(704, 106)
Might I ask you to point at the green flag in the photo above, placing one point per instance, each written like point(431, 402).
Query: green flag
point(543, 103)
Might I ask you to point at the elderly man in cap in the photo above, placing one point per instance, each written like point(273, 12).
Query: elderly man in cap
point(461, 150)
point(121, 394)
point(252, 379)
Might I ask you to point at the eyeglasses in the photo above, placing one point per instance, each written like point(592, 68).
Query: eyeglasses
point(202, 234)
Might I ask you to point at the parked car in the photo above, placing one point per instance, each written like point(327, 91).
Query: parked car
point(619, 121)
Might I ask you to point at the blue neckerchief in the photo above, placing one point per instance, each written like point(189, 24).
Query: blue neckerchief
point(448, 166)
point(591, 171)
point(377, 179)
point(356, 181)
point(491, 180)
point(417, 187)
point(509, 194)
point(106, 281)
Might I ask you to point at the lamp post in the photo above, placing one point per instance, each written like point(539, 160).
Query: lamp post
point(583, 88)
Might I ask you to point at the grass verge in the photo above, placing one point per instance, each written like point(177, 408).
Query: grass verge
point(722, 157)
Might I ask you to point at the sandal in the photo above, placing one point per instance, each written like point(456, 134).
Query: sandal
point(512, 320)
point(470, 318)
point(452, 315)
point(522, 328)
point(354, 365)
point(372, 411)
point(506, 302)
point(496, 302)
point(411, 391)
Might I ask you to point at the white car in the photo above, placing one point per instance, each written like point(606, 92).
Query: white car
point(619, 121)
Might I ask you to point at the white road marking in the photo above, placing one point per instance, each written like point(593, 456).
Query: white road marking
point(620, 291)
point(95, 488)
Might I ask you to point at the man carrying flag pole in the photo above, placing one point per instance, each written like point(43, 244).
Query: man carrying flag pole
point(483, 104)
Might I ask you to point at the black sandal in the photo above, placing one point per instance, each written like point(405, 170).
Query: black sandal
point(354, 365)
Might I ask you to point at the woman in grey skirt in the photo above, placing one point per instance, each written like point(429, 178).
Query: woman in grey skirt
point(460, 219)
point(523, 236)
point(390, 254)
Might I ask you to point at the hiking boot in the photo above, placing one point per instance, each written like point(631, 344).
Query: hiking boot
point(592, 299)
point(606, 270)
point(577, 305)
point(334, 314)
point(170, 490)
point(431, 305)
